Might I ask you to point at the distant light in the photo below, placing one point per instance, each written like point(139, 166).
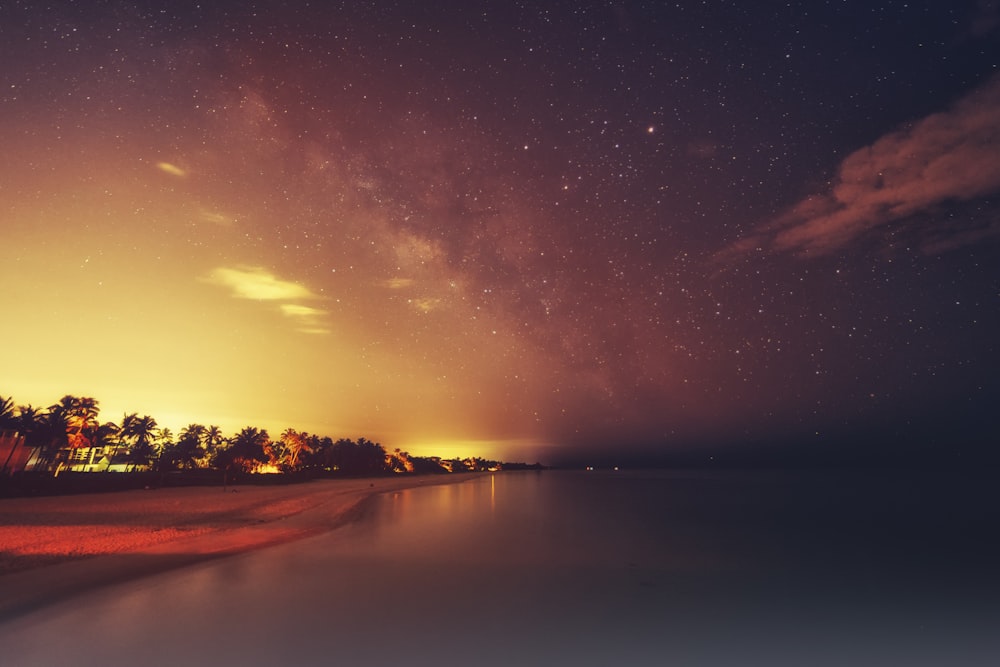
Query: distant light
point(650, 129)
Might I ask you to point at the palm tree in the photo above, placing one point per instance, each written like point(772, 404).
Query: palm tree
point(81, 421)
point(82, 414)
point(245, 451)
point(144, 430)
point(128, 425)
point(8, 422)
point(164, 438)
point(8, 418)
point(29, 419)
point(248, 446)
point(162, 448)
point(292, 446)
point(194, 432)
point(55, 429)
point(31, 424)
point(79, 414)
point(370, 457)
point(188, 450)
point(139, 432)
point(212, 440)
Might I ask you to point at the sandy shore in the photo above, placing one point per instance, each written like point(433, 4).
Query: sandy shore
point(52, 548)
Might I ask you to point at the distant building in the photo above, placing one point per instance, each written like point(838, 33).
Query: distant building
point(106, 458)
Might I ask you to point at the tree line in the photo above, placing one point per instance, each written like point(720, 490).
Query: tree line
point(69, 436)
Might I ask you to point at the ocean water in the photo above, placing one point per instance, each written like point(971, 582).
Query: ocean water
point(581, 568)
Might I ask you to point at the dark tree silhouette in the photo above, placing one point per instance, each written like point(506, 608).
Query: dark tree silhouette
point(70, 427)
point(30, 424)
point(138, 433)
point(80, 416)
point(8, 422)
point(65, 431)
point(8, 414)
point(212, 441)
point(187, 451)
point(244, 453)
point(52, 436)
point(363, 457)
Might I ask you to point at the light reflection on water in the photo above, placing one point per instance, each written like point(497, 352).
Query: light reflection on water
point(573, 568)
point(516, 520)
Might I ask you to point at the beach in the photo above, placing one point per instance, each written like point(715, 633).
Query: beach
point(54, 547)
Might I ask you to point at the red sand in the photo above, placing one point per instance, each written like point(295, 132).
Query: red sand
point(54, 547)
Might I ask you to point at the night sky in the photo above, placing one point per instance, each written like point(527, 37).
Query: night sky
point(624, 232)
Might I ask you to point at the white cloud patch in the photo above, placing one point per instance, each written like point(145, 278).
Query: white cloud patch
point(258, 283)
point(261, 285)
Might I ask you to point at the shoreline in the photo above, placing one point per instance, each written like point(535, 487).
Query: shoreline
point(57, 547)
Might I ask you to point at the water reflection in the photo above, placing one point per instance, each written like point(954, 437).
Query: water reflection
point(538, 569)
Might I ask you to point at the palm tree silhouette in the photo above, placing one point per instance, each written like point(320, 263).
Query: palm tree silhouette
point(29, 419)
point(31, 424)
point(56, 428)
point(8, 416)
point(245, 451)
point(194, 431)
point(188, 450)
point(213, 438)
point(139, 433)
point(8, 422)
point(164, 439)
point(79, 413)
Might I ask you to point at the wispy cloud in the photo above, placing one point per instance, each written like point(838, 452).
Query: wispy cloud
point(172, 169)
point(397, 283)
point(425, 304)
point(307, 319)
point(951, 156)
point(216, 218)
point(295, 310)
point(261, 285)
point(258, 283)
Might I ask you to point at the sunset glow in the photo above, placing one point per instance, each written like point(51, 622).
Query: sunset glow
point(512, 237)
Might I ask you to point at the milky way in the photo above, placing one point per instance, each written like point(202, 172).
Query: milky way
point(535, 230)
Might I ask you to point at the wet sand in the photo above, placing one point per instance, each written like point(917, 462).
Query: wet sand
point(53, 548)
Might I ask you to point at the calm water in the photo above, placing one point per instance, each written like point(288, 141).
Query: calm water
point(583, 569)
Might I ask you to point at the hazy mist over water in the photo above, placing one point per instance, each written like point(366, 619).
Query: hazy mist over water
point(581, 568)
